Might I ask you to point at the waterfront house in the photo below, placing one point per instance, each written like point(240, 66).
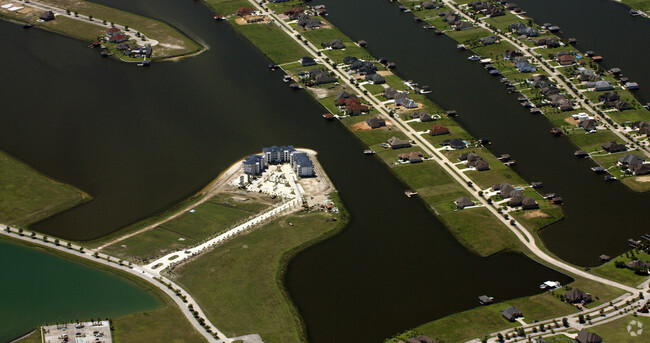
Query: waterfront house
point(437, 130)
point(307, 61)
point(375, 123)
point(294, 10)
point(455, 143)
point(504, 189)
point(119, 38)
point(566, 59)
point(489, 40)
point(253, 165)
point(600, 86)
point(585, 336)
point(516, 198)
point(375, 78)
point(355, 109)
point(113, 31)
point(425, 117)
point(242, 11)
point(47, 16)
point(278, 154)
point(429, 5)
point(642, 126)
point(637, 264)
point(613, 147)
point(549, 42)
point(524, 67)
point(302, 164)
point(640, 169)
point(462, 25)
point(341, 95)
point(320, 77)
point(334, 44)
point(403, 100)
point(461, 203)
point(411, 157)
point(587, 124)
point(529, 203)
point(396, 143)
point(511, 313)
point(307, 22)
point(480, 165)
point(577, 296)
point(631, 159)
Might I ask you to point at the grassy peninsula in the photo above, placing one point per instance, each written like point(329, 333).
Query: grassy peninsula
point(27, 196)
point(87, 21)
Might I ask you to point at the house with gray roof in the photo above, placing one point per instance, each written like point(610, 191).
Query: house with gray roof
point(375, 78)
point(375, 123)
point(454, 143)
point(529, 203)
point(628, 160)
point(577, 296)
point(396, 143)
point(587, 124)
point(461, 203)
point(585, 336)
point(511, 313)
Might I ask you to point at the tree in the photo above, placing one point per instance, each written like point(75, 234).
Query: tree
point(69, 245)
point(565, 322)
point(56, 242)
point(96, 255)
point(76, 14)
point(126, 27)
point(581, 318)
point(500, 337)
point(90, 17)
point(44, 238)
point(33, 235)
point(67, 12)
point(7, 229)
point(20, 232)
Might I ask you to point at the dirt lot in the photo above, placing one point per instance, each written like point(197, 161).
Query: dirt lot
point(535, 214)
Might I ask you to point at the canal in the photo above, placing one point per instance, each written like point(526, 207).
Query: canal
point(42, 288)
point(140, 140)
point(599, 216)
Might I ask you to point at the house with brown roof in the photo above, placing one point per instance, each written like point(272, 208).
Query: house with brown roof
point(577, 296)
point(566, 59)
point(585, 336)
point(119, 38)
point(461, 203)
point(613, 147)
point(640, 169)
point(375, 123)
point(411, 157)
point(438, 130)
point(529, 203)
point(396, 143)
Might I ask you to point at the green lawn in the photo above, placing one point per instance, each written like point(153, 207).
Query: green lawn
point(616, 331)
point(272, 42)
point(622, 275)
point(238, 285)
point(643, 5)
point(27, 196)
point(177, 43)
point(211, 218)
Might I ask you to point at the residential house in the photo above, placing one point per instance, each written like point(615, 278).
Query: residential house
point(293, 11)
point(585, 336)
point(511, 313)
point(405, 101)
point(516, 198)
point(429, 5)
point(47, 16)
point(356, 108)
point(396, 143)
point(577, 296)
point(411, 157)
point(584, 74)
point(510, 54)
point(334, 44)
point(375, 123)
point(529, 203)
point(375, 79)
point(481, 165)
point(425, 117)
point(642, 126)
point(524, 67)
point(565, 58)
point(320, 77)
point(253, 165)
point(437, 130)
point(455, 143)
point(302, 164)
point(278, 154)
point(505, 190)
point(640, 169)
point(600, 86)
point(119, 38)
point(549, 42)
point(307, 22)
point(631, 159)
point(113, 31)
point(613, 147)
point(307, 61)
point(462, 25)
point(588, 124)
point(461, 203)
point(489, 40)
point(242, 11)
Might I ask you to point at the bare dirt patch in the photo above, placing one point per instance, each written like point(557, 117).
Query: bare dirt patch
point(645, 178)
point(535, 214)
point(571, 121)
point(360, 126)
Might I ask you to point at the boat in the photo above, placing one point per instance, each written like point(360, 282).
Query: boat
point(328, 116)
point(418, 19)
point(536, 184)
point(368, 152)
point(410, 193)
point(218, 17)
point(474, 58)
point(461, 47)
point(144, 64)
point(550, 285)
point(510, 163)
point(609, 177)
point(28, 26)
point(438, 32)
point(428, 27)
point(633, 243)
point(295, 86)
point(581, 154)
point(274, 66)
point(286, 78)
point(549, 195)
point(635, 13)
point(598, 170)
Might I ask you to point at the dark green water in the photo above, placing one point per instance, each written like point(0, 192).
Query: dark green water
point(40, 288)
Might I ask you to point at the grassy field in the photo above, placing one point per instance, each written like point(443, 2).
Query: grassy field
point(211, 218)
point(616, 331)
point(27, 196)
point(622, 275)
point(643, 5)
point(174, 43)
point(239, 284)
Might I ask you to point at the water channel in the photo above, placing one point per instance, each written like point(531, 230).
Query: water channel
point(42, 288)
point(140, 140)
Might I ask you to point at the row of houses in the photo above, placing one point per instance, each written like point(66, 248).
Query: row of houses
point(613, 99)
point(474, 161)
point(487, 8)
point(522, 29)
point(300, 161)
point(516, 196)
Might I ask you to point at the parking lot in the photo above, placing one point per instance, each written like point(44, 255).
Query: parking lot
point(82, 332)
